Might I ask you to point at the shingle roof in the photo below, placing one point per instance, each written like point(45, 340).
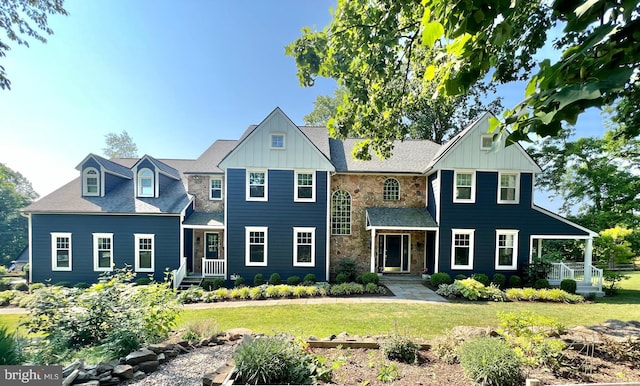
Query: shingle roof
point(410, 156)
point(319, 136)
point(122, 199)
point(205, 219)
point(109, 166)
point(210, 158)
point(400, 217)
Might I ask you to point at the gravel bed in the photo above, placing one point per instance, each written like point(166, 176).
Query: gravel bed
point(187, 369)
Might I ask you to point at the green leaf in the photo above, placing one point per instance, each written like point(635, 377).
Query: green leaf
point(431, 33)
point(430, 72)
point(584, 8)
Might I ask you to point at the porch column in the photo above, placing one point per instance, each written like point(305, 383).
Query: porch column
point(373, 249)
point(588, 256)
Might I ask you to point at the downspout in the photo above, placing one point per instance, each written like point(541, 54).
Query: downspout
point(29, 239)
point(328, 231)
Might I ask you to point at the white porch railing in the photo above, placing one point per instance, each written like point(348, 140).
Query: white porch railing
point(588, 274)
point(213, 267)
point(180, 273)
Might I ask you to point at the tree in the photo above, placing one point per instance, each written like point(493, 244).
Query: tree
point(324, 108)
point(16, 192)
point(612, 248)
point(120, 145)
point(22, 19)
point(374, 49)
point(592, 177)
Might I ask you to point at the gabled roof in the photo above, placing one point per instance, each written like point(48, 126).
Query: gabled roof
point(210, 158)
point(408, 156)
point(480, 124)
point(109, 166)
point(400, 218)
point(161, 166)
point(253, 150)
point(122, 199)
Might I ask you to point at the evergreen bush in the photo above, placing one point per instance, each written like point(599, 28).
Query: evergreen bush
point(440, 278)
point(258, 280)
point(400, 348)
point(309, 279)
point(293, 280)
point(239, 282)
point(347, 266)
point(499, 280)
point(274, 279)
point(515, 281)
point(569, 285)
point(482, 278)
point(341, 278)
point(541, 283)
point(370, 277)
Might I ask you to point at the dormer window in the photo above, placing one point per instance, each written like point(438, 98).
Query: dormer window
point(277, 141)
point(91, 182)
point(145, 183)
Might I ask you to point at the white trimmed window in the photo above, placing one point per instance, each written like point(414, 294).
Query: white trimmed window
point(509, 189)
point(304, 247)
point(91, 182)
point(215, 188)
point(305, 186)
point(257, 187)
point(103, 251)
point(61, 252)
point(506, 249)
point(146, 183)
point(277, 141)
point(462, 248)
point(391, 190)
point(256, 246)
point(341, 213)
point(464, 189)
point(144, 252)
point(486, 142)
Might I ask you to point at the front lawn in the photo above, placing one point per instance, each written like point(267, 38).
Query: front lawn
point(427, 320)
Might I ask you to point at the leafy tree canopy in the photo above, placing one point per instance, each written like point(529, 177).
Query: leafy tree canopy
point(120, 145)
point(23, 19)
point(376, 49)
point(16, 192)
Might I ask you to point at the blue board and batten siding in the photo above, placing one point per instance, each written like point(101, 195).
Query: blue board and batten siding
point(166, 249)
point(485, 216)
point(280, 214)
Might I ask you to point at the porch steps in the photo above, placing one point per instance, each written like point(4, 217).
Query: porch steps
point(400, 278)
point(190, 281)
point(584, 289)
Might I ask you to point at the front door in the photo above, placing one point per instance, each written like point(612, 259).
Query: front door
point(393, 252)
point(211, 245)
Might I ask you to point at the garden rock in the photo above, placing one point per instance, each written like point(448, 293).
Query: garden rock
point(160, 347)
point(149, 366)
point(138, 375)
point(69, 369)
point(140, 356)
point(70, 378)
point(90, 383)
point(468, 332)
point(123, 371)
point(162, 358)
point(238, 333)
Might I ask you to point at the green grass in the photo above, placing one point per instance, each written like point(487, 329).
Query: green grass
point(427, 320)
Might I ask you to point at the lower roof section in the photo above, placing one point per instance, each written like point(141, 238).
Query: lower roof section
point(400, 218)
point(205, 220)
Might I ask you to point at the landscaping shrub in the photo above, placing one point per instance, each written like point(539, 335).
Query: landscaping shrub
point(400, 348)
point(494, 293)
point(531, 336)
point(65, 284)
point(221, 293)
point(341, 278)
point(10, 348)
point(258, 280)
point(293, 280)
point(569, 285)
point(256, 293)
point(541, 283)
point(482, 278)
point(270, 360)
point(36, 286)
point(274, 279)
point(202, 328)
point(440, 278)
point(499, 280)
point(370, 277)
point(540, 267)
point(448, 290)
point(446, 347)
point(309, 279)
point(545, 294)
point(83, 285)
point(490, 361)
point(359, 279)
point(460, 276)
point(611, 280)
point(212, 284)
point(515, 281)
point(5, 284)
point(373, 288)
point(192, 294)
point(344, 289)
point(141, 281)
point(470, 288)
point(347, 266)
point(22, 286)
point(6, 297)
point(239, 282)
point(69, 318)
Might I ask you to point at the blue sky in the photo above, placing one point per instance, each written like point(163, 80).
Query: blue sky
point(175, 75)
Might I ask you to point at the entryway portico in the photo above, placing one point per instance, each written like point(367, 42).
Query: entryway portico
point(397, 236)
point(205, 233)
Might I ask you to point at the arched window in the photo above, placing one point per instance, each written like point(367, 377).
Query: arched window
point(145, 183)
point(341, 213)
point(91, 182)
point(391, 191)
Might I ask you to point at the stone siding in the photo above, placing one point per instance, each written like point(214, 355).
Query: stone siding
point(199, 187)
point(367, 191)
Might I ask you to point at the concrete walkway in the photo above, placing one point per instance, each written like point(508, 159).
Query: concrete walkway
point(405, 293)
